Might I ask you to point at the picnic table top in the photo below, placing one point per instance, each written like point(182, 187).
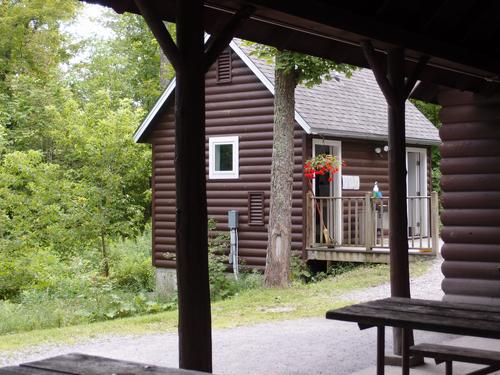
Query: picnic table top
point(82, 364)
point(427, 315)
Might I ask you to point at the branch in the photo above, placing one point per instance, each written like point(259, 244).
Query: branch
point(220, 40)
point(379, 72)
point(411, 80)
point(160, 32)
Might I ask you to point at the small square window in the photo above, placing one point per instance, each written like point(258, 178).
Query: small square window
point(223, 157)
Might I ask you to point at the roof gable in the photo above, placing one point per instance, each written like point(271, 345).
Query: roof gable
point(344, 107)
point(156, 110)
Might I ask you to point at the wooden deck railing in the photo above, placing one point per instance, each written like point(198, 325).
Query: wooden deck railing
point(364, 222)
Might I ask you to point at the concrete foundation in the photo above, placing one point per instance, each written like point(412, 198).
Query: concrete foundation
point(166, 282)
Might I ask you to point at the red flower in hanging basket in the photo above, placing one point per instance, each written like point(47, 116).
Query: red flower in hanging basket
point(322, 165)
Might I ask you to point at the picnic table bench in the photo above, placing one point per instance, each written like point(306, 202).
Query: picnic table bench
point(82, 364)
point(427, 315)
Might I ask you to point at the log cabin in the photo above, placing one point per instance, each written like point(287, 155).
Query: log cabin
point(345, 117)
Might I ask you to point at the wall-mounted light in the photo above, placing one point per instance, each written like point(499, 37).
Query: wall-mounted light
point(378, 150)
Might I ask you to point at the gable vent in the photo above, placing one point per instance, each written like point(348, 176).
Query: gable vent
point(224, 67)
point(256, 208)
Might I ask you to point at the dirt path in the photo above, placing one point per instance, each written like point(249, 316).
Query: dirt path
point(305, 346)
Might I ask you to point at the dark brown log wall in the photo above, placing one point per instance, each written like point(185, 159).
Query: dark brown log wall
point(242, 107)
point(471, 197)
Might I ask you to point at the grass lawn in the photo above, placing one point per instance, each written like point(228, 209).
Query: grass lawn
point(249, 307)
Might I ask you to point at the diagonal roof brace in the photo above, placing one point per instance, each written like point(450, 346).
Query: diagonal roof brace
point(219, 41)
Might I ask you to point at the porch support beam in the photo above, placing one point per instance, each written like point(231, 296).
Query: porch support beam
point(195, 336)
point(220, 40)
point(398, 217)
point(396, 90)
point(191, 59)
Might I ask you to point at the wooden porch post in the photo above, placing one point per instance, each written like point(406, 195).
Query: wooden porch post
point(398, 217)
point(191, 59)
point(396, 90)
point(195, 338)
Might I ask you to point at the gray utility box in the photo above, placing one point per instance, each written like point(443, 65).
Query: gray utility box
point(232, 219)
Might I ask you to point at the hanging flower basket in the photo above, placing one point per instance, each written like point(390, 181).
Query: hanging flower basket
point(322, 164)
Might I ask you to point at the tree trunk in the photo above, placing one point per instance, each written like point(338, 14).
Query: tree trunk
point(277, 271)
point(105, 258)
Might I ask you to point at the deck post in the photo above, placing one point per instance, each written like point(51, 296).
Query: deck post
point(435, 222)
point(309, 219)
point(195, 338)
point(368, 222)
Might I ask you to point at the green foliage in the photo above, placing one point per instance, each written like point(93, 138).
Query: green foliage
point(131, 268)
point(30, 63)
point(47, 293)
point(126, 65)
point(308, 70)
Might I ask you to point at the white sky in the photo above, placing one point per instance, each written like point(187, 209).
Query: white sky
point(86, 25)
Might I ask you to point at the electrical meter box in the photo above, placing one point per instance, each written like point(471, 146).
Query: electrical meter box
point(232, 219)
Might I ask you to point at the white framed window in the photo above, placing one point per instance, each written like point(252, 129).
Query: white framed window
point(223, 157)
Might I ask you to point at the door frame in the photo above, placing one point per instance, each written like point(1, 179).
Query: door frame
point(336, 185)
point(424, 217)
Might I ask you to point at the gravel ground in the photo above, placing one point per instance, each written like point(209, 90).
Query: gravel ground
point(304, 346)
point(427, 286)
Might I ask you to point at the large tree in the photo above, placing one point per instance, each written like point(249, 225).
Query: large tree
point(32, 49)
point(291, 69)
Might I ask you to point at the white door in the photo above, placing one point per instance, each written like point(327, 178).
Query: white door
point(331, 208)
point(416, 165)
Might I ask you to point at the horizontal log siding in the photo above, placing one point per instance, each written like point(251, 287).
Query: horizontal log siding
point(470, 183)
point(361, 160)
point(244, 108)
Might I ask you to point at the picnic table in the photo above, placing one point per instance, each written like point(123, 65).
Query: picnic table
point(82, 364)
point(427, 315)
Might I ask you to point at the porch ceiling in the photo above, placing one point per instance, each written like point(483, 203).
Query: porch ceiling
point(460, 37)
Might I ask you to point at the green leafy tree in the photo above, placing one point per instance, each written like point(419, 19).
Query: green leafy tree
point(126, 65)
point(291, 69)
point(113, 173)
point(36, 229)
point(30, 60)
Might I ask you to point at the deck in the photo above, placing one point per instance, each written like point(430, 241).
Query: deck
point(362, 225)
point(361, 255)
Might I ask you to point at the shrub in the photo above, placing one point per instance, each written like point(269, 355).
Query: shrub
point(131, 268)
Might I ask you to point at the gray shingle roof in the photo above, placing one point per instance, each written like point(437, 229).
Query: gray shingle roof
point(351, 107)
